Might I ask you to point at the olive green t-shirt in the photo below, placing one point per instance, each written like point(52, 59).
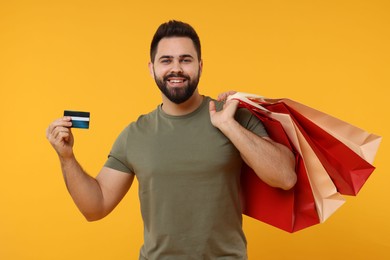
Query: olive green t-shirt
point(189, 189)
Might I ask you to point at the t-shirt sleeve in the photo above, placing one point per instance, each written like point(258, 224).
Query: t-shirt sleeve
point(117, 157)
point(251, 122)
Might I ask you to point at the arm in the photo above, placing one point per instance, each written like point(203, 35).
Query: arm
point(272, 162)
point(95, 197)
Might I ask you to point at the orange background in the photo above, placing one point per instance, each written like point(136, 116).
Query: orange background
point(92, 55)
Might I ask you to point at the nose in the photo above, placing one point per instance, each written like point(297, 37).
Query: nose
point(176, 67)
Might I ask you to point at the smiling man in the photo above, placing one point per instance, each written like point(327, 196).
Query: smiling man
point(176, 66)
point(177, 75)
point(186, 155)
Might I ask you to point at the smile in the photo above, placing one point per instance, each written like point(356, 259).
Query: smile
point(176, 80)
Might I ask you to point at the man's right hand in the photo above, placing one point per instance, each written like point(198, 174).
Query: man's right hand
point(94, 196)
point(60, 137)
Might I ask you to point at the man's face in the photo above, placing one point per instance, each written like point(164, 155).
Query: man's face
point(176, 68)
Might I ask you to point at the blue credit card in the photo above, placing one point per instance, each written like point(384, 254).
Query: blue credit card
point(79, 119)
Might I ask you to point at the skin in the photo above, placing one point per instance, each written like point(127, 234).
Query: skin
point(97, 197)
point(177, 55)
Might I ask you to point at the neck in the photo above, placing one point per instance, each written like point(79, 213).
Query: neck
point(184, 108)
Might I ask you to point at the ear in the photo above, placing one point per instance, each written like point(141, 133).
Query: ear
point(151, 69)
point(200, 67)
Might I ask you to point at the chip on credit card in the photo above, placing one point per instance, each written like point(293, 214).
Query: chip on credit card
point(79, 119)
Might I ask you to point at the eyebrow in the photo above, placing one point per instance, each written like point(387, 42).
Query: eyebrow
point(171, 57)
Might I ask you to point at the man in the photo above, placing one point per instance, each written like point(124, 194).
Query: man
point(186, 155)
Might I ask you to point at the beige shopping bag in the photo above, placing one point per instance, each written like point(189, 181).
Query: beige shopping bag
point(326, 197)
point(363, 143)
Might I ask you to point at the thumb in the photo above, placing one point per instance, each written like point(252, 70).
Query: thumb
point(212, 108)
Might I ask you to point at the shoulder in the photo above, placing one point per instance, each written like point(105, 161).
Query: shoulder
point(243, 114)
point(142, 123)
point(218, 104)
point(143, 120)
point(250, 122)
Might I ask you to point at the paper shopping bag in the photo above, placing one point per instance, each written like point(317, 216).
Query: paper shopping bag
point(327, 199)
point(348, 170)
point(290, 210)
point(363, 143)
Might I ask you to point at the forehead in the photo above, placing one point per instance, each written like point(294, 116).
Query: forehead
point(176, 46)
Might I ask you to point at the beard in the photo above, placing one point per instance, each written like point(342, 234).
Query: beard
point(177, 95)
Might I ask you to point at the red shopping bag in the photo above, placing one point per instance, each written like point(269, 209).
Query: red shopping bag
point(348, 170)
point(363, 143)
point(290, 210)
point(330, 157)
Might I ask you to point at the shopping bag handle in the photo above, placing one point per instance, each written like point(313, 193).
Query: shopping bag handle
point(244, 97)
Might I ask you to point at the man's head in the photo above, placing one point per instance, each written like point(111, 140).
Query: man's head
point(174, 29)
point(175, 60)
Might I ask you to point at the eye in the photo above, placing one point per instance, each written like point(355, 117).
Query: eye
point(165, 61)
point(186, 60)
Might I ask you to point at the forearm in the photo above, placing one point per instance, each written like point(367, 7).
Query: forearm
point(84, 189)
point(272, 162)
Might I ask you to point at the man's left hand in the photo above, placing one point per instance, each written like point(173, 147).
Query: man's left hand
point(224, 117)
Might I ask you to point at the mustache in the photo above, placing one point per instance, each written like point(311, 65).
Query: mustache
point(176, 75)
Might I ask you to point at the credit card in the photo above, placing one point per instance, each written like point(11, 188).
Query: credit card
point(79, 119)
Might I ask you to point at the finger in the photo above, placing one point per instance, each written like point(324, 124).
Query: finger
point(60, 129)
point(232, 103)
point(224, 96)
point(63, 137)
point(231, 92)
point(58, 134)
point(212, 107)
point(61, 122)
point(65, 121)
point(53, 129)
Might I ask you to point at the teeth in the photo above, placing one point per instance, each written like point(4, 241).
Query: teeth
point(176, 81)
